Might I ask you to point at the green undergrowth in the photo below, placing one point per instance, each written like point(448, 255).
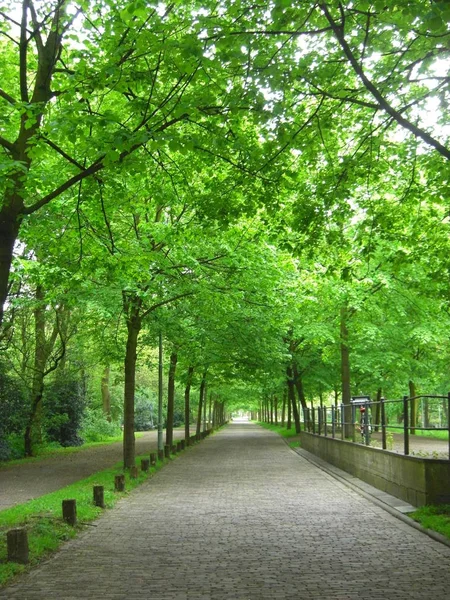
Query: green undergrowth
point(436, 518)
point(42, 517)
point(283, 431)
point(53, 450)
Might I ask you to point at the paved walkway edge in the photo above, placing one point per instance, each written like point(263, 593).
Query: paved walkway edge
point(371, 493)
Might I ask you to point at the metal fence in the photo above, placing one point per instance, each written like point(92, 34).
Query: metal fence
point(358, 421)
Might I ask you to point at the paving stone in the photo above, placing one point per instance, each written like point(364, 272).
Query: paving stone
point(242, 517)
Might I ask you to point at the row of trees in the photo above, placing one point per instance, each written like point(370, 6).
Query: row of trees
point(264, 186)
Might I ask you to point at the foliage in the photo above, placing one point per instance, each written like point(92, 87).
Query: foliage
point(96, 428)
point(65, 402)
point(12, 414)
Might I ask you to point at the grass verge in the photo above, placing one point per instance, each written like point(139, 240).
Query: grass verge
point(284, 432)
point(42, 517)
point(436, 518)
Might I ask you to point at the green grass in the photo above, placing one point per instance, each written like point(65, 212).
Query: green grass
point(46, 451)
point(441, 435)
point(283, 431)
point(436, 518)
point(42, 517)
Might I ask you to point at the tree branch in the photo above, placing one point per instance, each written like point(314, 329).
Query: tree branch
point(384, 104)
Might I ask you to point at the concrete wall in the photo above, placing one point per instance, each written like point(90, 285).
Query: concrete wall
point(416, 480)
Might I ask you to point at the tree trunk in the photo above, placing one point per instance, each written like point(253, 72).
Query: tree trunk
point(345, 373)
point(283, 409)
point(413, 408)
point(289, 409)
point(298, 381)
point(106, 394)
point(377, 415)
point(171, 398)
point(133, 328)
point(187, 404)
point(292, 400)
point(9, 229)
point(275, 402)
point(200, 404)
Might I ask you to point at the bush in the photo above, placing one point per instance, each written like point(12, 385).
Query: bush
point(13, 414)
point(95, 427)
point(64, 407)
point(143, 413)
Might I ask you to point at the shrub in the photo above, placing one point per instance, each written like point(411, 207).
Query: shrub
point(95, 427)
point(13, 414)
point(64, 406)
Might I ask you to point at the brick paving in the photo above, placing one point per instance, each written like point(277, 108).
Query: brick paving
point(242, 517)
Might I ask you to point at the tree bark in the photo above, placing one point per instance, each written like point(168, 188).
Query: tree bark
point(291, 396)
point(187, 404)
point(171, 398)
point(9, 229)
point(298, 381)
point(106, 394)
point(200, 404)
point(413, 408)
point(283, 409)
point(133, 329)
point(345, 373)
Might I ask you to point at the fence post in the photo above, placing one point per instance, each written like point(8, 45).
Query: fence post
point(353, 423)
point(313, 419)
point(333, 421)
point(405, 425)
point(366, 424)
point(383, 424)
point(319, 420)
point(342, 421)
point(325, 421)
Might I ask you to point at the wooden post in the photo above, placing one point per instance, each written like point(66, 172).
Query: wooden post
point(183, 444)
point(119, 483)
point(160, 455)
point(167, 451)
point(69, 511)
point(174, 449)
point(178, 446)
point(17, 544)
point(145, 465)
point(134, 472)
point(153, 458)
point(99, 496)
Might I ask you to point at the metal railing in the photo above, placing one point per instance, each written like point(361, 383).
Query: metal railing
point(367, 416)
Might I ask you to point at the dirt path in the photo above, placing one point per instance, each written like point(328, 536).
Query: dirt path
point(19, 483)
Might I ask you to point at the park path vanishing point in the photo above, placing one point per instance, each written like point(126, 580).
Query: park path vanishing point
point(242, 517)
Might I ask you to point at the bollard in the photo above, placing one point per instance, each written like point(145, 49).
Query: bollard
point(69, 511)
point(145, 465)
point(17, 545)
point(153, 458)
point(161, 455)
point(134, 472)
point(183, 444)
point(166, 451)
point(119, 483)
point(99, 496)
point(178, 446)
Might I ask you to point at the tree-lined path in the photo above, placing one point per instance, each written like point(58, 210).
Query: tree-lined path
point(241, 516)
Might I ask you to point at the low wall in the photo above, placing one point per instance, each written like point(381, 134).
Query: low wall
point(416, 480)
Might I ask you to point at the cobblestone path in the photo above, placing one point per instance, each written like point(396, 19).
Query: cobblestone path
point(242, 517)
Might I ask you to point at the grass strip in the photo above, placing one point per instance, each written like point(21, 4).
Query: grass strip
point(283, 431)
point(436, 518)
point(42, 517)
